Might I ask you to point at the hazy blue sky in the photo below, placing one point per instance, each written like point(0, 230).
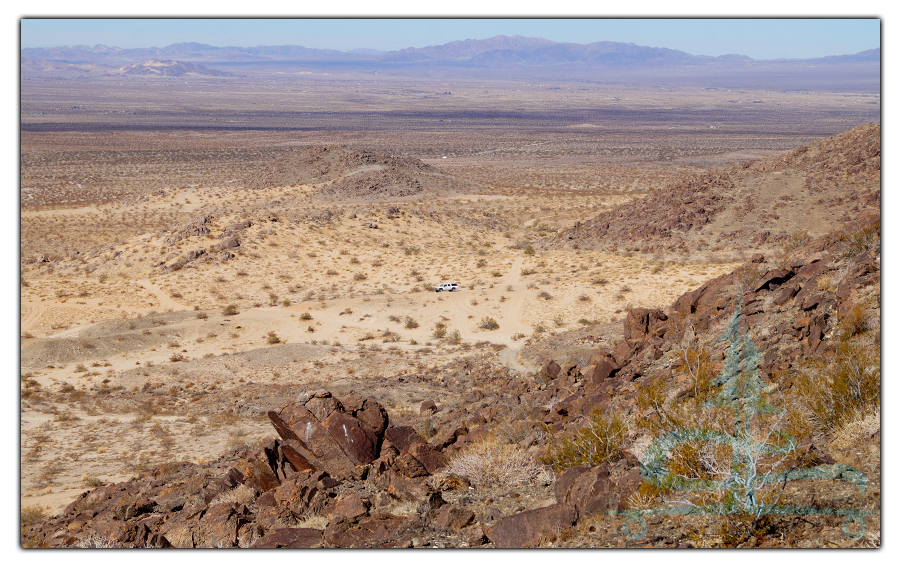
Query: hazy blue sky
point(757, 38)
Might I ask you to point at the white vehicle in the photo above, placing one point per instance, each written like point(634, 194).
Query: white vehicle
point(446, 287)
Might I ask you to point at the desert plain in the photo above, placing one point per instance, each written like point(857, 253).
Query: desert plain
point(197, 251)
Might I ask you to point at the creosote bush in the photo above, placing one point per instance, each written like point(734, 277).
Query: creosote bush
point(230, 310)
point(488, 323)
point(594, 444)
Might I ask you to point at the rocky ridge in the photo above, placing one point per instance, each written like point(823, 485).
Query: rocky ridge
point(818, 187)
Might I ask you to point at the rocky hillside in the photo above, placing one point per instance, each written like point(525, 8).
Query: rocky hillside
point(338, 472)
point(813, 189)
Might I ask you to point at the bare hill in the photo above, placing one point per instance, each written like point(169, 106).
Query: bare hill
point(170, 68)
point(351, 173)
point(814, 188)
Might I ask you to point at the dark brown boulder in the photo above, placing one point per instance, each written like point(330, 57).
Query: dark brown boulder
point(299, 457)
point(257, 472)
point(402, 437)
point(350, 506)
point(372, 532)
point(450, 516)
point(323, 407)
point(290, 538)
point(527, 529)
point(297, 423)
point(430, 457)
point(298, 493)
point(552, 369)
point(373, 414)
point(592, 491)
point(773, 278)
point(605, 368)
point(219, 526)
point(358, 441)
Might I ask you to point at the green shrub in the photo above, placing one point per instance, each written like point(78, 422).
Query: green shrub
point(411, 323)
point(596, 443)
point(306, 316)
point(488, 323)
point(273, 338)
point(838, 389)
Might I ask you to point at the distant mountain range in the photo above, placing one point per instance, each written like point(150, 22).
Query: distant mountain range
point(496, 51)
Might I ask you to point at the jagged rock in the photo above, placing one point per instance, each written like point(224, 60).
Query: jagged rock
point(296, 422)
point(642, 321)
point(527, 529)
point(350, 506)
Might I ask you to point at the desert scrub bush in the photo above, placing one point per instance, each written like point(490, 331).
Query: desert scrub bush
point(489, 463)
point(488, 323)
point(539, 328)
point(836, 390)
point(584, 298)
point(527, 271)
point(558, 321)
point(598, 442)
point(331, 272)
point(273, 338)
point(202, 316)
point(862, 239)
point(306, 316)
point(410, 323)
point(359, 276)
point(411, 250)
point(544, 295)
point(440, 330)
point(853, 322)
point(230, 310)
point(529, 251)
point(481, 263)
point(454, 337)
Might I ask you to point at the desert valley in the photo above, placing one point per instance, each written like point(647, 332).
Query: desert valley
point(231, 334)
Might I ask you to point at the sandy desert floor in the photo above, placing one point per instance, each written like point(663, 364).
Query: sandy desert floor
point(126, 357)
